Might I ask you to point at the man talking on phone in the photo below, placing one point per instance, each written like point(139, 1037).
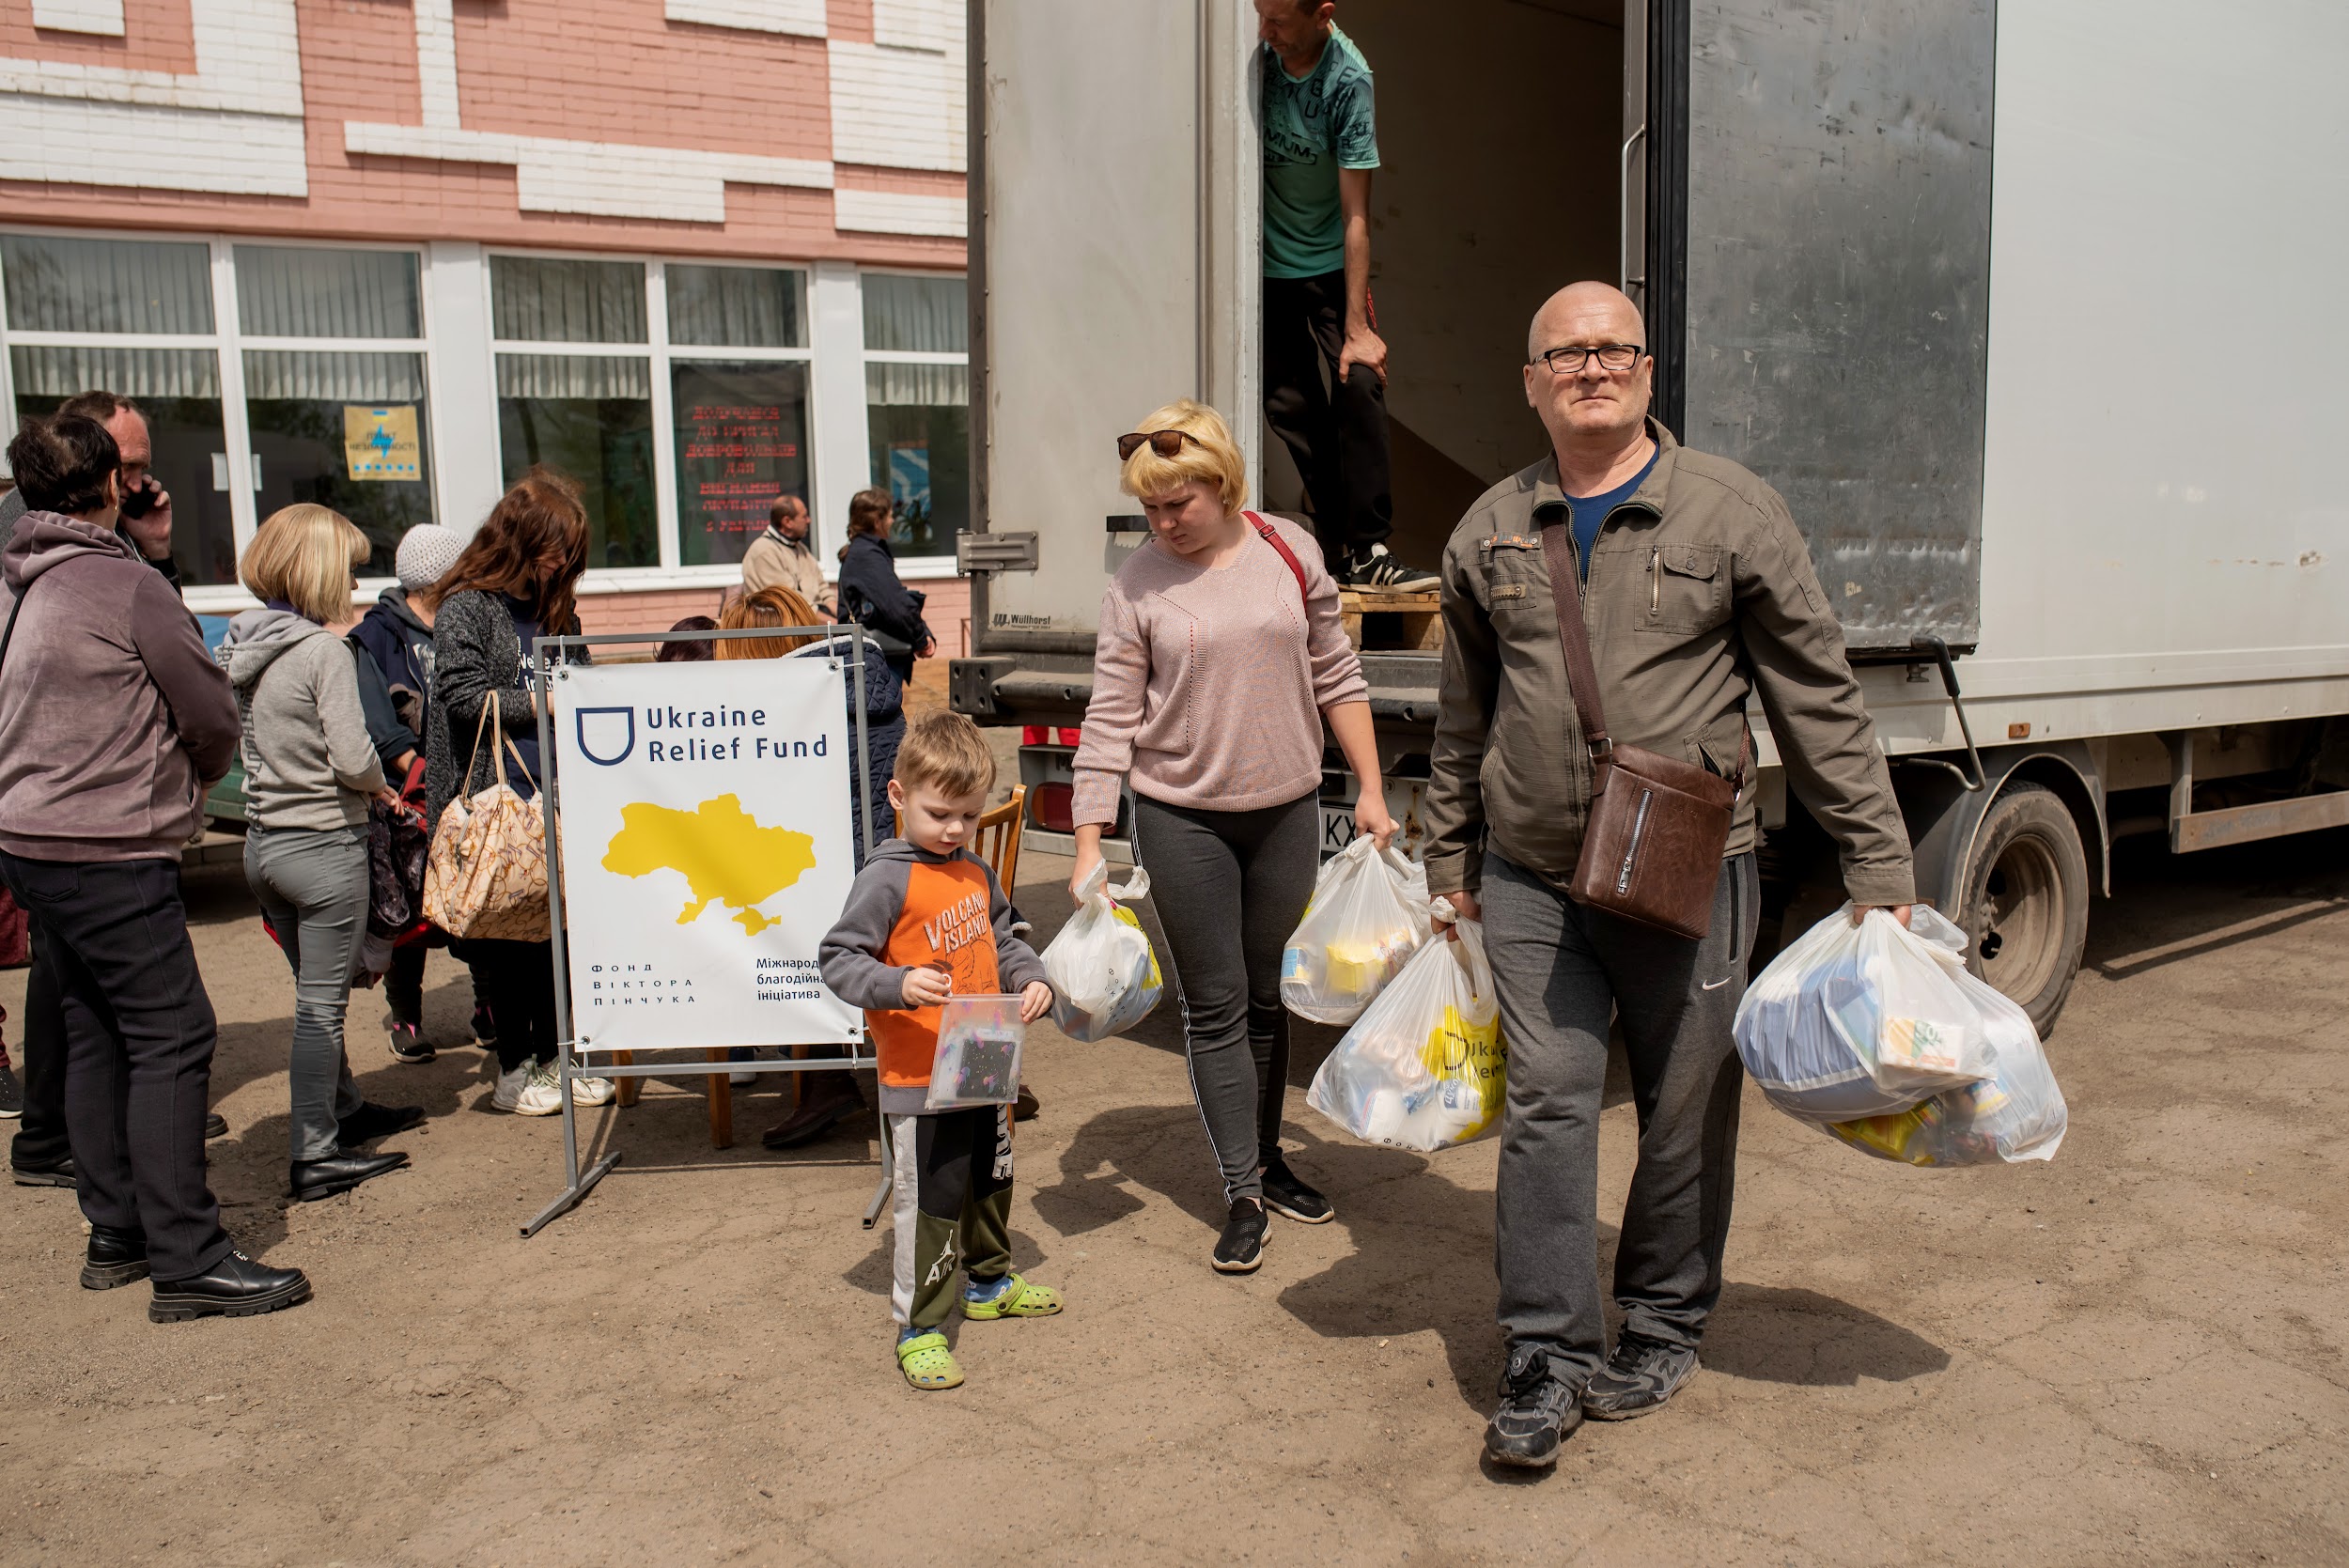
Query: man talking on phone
point(146, 520)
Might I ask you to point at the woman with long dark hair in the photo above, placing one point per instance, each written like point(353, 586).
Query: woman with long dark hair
point(515, 582)
point(872, 594)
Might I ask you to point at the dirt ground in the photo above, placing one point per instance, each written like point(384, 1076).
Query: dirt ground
point(2133, 1355)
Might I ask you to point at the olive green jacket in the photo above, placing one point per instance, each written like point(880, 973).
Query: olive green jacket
point(1700, 592)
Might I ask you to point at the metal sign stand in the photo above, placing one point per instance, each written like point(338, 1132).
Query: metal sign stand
point(550, 662)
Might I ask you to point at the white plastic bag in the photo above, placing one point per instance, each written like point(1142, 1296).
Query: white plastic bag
point(1426, 1068)
point(1105, 979)
point(2015, 1114)
point(1368, 915)
point(1864, 1020)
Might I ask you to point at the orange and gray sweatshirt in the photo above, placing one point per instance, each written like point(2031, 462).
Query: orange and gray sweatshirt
point(912, 910)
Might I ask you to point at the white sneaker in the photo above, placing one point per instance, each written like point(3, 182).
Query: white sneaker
point(741, 1080)
point(588, 1090)
point(541, 1090)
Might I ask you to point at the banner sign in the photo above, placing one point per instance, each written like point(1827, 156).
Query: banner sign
point(705, 842)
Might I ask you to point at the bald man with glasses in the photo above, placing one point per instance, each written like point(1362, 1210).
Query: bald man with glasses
point(1697, 592)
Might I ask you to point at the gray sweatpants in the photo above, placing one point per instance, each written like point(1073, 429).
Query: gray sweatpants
point(313, 886)
point(1561, 970)
point(1229, 887)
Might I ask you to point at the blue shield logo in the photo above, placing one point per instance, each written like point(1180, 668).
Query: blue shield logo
point(606, 735)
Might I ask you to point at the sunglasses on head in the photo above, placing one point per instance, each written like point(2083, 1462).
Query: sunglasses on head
point(1166, 443)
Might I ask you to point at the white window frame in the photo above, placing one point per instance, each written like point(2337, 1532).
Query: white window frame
point(917, 567)
point(228, 346)
point(662, 355)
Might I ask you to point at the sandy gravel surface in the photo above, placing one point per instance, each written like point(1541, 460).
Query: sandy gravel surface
point(2133, 1355)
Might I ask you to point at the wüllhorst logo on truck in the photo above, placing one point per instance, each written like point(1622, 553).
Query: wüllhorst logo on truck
point(608, 736)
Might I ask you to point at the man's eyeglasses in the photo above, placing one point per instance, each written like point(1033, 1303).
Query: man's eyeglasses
point(1616, 357)
point(1166, 443)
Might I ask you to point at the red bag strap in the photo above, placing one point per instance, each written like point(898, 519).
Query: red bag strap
point(1271, 536)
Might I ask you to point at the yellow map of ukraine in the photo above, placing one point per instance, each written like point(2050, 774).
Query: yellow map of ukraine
point(722, 852)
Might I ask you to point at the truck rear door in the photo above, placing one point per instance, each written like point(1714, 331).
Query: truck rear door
point(1818, 201)
point(1108, 195)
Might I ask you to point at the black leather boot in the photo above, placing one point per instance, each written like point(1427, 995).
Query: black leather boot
point(234, 1287)
point(116, 1258)
point(340, 1171)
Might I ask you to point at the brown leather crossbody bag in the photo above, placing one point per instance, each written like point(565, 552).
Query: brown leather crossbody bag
point(1652, 850)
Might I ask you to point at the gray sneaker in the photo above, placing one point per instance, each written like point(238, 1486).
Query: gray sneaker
point(1639, 1378)
point(1537, 1413)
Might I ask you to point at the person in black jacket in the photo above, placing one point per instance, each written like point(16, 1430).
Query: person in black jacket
point(871, 594)
point(514, 584)
point(394, 642)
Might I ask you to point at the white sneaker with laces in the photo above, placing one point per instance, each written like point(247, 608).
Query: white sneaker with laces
point(541, 1093)
point(589, 1090)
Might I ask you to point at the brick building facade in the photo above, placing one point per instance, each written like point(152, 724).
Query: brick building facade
point(696, 253)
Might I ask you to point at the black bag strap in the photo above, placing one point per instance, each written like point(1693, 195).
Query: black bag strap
point(15, 610)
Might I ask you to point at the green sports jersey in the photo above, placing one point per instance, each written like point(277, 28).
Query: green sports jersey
point(1312, 129)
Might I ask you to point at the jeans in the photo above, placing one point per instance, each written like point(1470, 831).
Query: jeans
point(1337, 433)
point(1561, 970)
point(1229, 887)
point(312, 883)
point(139, 1035)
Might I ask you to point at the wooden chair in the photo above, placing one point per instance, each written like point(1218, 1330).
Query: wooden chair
point(997, 841)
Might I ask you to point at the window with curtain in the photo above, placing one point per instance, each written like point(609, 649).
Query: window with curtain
point(285, 291)
point(739, 424)
point(109, 294)
point(917, 397)
point(588, 416)
point(347, 431)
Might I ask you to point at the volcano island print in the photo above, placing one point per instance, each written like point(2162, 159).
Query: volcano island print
point(724, 855)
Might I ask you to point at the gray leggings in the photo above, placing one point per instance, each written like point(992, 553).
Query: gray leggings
point(1229, 887)
point(313, 885)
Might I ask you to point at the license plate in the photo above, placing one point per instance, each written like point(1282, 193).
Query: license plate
point(1337, 828)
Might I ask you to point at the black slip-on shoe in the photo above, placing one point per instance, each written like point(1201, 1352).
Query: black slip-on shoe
point(1283, 1193)
point(1240, 1248)
point(216, 1126)
point(1638, 1378)
point(485, 1026)
point(115, 1258)
point(313, 1179)
point(234, 1287)
point(377, 1121)
point(55, 1173)
point(1537, 1413)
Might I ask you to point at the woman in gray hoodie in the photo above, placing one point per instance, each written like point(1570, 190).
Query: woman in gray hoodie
point(310, 770)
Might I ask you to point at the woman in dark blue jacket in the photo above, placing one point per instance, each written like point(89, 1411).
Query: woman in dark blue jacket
point(872, 595)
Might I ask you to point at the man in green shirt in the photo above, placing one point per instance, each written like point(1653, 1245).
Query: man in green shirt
point(1320, 143)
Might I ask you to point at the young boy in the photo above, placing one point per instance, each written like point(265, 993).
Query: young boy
point(926, 921)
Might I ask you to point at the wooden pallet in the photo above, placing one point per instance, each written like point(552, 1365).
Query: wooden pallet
point(1387, 622)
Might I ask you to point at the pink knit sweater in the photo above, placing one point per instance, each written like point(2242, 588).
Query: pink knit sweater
point(1207, 685)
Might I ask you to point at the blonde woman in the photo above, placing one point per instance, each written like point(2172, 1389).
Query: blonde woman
point(1220, 653)
point(309, 771)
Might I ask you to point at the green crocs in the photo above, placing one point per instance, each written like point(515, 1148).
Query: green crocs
point(1018, 1299)
point(927, 1364)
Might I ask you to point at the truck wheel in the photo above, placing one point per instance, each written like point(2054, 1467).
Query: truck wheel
point(2024, 901)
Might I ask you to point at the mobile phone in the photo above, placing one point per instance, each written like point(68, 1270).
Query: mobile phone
point(139, 502)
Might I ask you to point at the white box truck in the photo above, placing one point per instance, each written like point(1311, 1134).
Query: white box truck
point(2033, 312)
